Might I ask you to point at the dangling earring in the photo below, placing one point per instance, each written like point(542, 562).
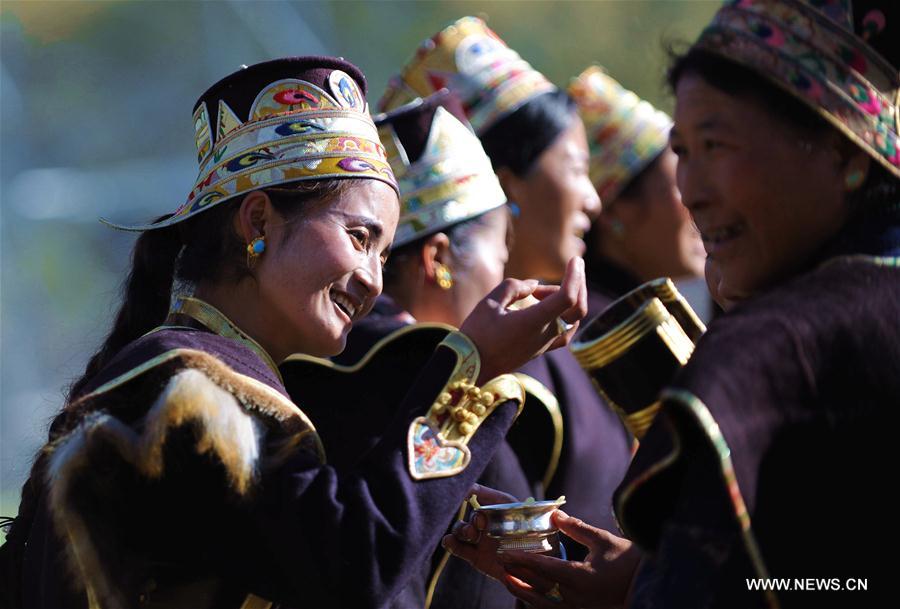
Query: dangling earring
point(255, 248)
point(854, 179)
point(617, 228)
point(442, 276)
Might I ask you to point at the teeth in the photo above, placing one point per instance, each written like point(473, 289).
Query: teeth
point(344, 303)
point(722, 234)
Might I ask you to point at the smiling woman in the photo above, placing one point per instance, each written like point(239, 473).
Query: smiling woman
point(765, 458)
point(309, 308)
point(181, 472)
point(537, 145)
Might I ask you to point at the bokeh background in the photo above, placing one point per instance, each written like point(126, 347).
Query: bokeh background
point(95, 121)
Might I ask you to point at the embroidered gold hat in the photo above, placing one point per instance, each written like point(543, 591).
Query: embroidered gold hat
point(809, 49)
point(444, 174)
point(490, 78)
point(624, 132)
point(282, 121)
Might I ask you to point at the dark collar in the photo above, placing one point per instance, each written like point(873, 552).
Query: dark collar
point(608, 278)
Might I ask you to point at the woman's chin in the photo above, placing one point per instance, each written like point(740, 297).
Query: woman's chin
point(334, 348)
point(326, 347)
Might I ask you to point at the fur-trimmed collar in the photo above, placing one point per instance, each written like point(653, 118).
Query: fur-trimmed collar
point(236, 421)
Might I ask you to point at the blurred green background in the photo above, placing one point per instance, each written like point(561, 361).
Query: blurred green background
point(95, 121)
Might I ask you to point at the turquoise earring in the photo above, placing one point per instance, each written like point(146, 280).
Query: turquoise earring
point(854, 179)
point(255, 248)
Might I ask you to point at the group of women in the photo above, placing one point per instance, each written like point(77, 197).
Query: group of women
point(351, 321)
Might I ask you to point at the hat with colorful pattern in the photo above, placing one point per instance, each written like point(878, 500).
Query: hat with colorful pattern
point(282, 121)
point(624, 132)
point(468, 58)
point(809, 49)
point(444, 174)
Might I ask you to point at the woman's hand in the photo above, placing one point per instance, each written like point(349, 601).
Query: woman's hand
point(507, 339)
point(468, 541)
point(602, 580)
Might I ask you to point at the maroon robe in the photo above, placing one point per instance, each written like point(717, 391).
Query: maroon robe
point(208, 528)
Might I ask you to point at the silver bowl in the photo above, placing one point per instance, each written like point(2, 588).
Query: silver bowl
point(524, 526)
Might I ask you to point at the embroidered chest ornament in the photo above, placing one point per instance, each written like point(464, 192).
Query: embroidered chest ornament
point(437, 443)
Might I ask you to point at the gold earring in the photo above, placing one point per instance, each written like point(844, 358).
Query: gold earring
point(442, 276)
point(255, 248)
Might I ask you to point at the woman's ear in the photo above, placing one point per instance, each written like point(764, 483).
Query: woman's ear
point(513, 186)
point(253, 216)
point(435, 252)
point(619, 218)
point(848, 157)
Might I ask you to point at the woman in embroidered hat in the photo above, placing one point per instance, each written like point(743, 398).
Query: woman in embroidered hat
point(531, 131)
point(448, 253)
point(181, 472)
point(767, 456)
point(643, 231)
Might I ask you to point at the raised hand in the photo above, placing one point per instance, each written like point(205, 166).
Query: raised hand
point(506, 339)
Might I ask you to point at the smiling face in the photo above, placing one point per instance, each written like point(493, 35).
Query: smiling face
point(478, 268)
point(657, 238)
point(557, 201)
point(764, 203)
point(322, 271)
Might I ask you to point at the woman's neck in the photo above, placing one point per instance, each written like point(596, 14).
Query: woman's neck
point(621, 258)
point(237, 304)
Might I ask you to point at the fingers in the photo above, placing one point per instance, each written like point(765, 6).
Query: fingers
point(511, 290)
point(544, 290)
point(483, 556)
point(531, 596)
point(552, 569)
point(583, 299)
point(490, 496)
point(566, 298)
point(533, 578)
point(565, 338)
point(591, 537)
point(458, 548)
point(466, 532)
point(579, 309)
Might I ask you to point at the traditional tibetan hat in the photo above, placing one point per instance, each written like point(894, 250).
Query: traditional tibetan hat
point(624, 132)
point(444, 174)
point(468, 58)
point(282, 121)
point(818, 53)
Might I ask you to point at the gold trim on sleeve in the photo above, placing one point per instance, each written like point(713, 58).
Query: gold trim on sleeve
point(537, 390)
point(436, 576)
point(437, 443)
point(885, 261)
point(698, 411)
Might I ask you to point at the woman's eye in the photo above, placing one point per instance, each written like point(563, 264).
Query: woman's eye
point(360, 236)
point(710, 144)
